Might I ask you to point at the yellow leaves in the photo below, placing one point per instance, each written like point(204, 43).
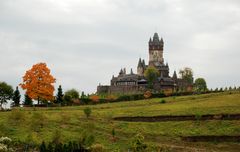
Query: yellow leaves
point(38, 82)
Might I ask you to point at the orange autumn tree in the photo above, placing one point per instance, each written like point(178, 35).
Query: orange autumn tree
point(38, 83)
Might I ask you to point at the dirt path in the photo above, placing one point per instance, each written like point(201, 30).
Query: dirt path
point(179, 118)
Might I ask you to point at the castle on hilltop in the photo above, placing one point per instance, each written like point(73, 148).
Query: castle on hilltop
point(136, 83)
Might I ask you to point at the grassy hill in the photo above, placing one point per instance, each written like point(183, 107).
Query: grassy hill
point(38, 124)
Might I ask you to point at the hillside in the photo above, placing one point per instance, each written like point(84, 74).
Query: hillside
point(38, 124)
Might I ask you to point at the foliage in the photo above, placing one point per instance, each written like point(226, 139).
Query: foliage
point(111, 98)
point(187, 74)
point(94, 98)
point(27, 100)
point(38, 83)
point(147, 94)
point(16, 97)
point(59, 147)
point(87, 139)
point(200, 85)
point(5, 144)
point(198, 116)
point(70, 95)
point(6, 92)
point(113, 133)
point(83, 95)
point(59, 96)
point(151, 73)
point(137, 143)
point(162, 101)
point(87, 111)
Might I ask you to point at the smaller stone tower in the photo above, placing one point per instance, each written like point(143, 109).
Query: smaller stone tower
point(141, 67)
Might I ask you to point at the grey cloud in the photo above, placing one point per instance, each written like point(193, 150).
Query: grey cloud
point(86, 42)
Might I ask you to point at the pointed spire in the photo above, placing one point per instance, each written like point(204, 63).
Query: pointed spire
point(143, 63)
point(150, 40)
point(124, 71)
point(121, 72)
point(139, 62)
point(174, 75)
point(161, 40)
point(131, 71)
point(155, 38)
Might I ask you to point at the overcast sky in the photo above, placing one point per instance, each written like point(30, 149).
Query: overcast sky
point(85, 42)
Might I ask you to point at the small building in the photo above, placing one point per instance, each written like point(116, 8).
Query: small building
point(132, 83)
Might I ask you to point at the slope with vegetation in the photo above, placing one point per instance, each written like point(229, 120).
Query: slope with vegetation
point(34, 125)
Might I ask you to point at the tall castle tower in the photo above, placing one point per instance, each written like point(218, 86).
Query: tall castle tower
point(155, 51)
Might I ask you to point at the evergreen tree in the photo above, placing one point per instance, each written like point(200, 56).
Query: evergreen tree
point(59, 97)
point(16, 97)
point(226, 89)
point(43, 147)
point(82, 95)
point(27, 100)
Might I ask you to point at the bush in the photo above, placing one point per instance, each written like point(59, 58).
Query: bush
point(87, 112)
point(163, 101)
point(94, 98)
point(5, 144)
point(198, 116)
point(111, 98)
point(59, 147)
point(147, 94)
point(87, 139)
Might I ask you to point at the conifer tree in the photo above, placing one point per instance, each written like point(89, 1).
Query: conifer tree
point(59, 97)
point(16, 97)
point(27, 100)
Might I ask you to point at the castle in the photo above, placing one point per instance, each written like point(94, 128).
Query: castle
point(136, 83)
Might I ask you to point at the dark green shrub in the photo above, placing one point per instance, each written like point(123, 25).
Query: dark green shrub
point(87, 111)
point(43, 147)
point(198, 116)
point(162, 101)
point(113, 133)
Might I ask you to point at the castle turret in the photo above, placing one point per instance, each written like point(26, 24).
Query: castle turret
point(174, 75)
point(156, 51)
point(131, 71)
point(141, 67)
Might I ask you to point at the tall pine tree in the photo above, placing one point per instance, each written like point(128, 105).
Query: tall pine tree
point(27, 100)
point(59, 97)
point(16, 97)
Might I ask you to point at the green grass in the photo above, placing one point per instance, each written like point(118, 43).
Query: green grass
point(41, 123)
